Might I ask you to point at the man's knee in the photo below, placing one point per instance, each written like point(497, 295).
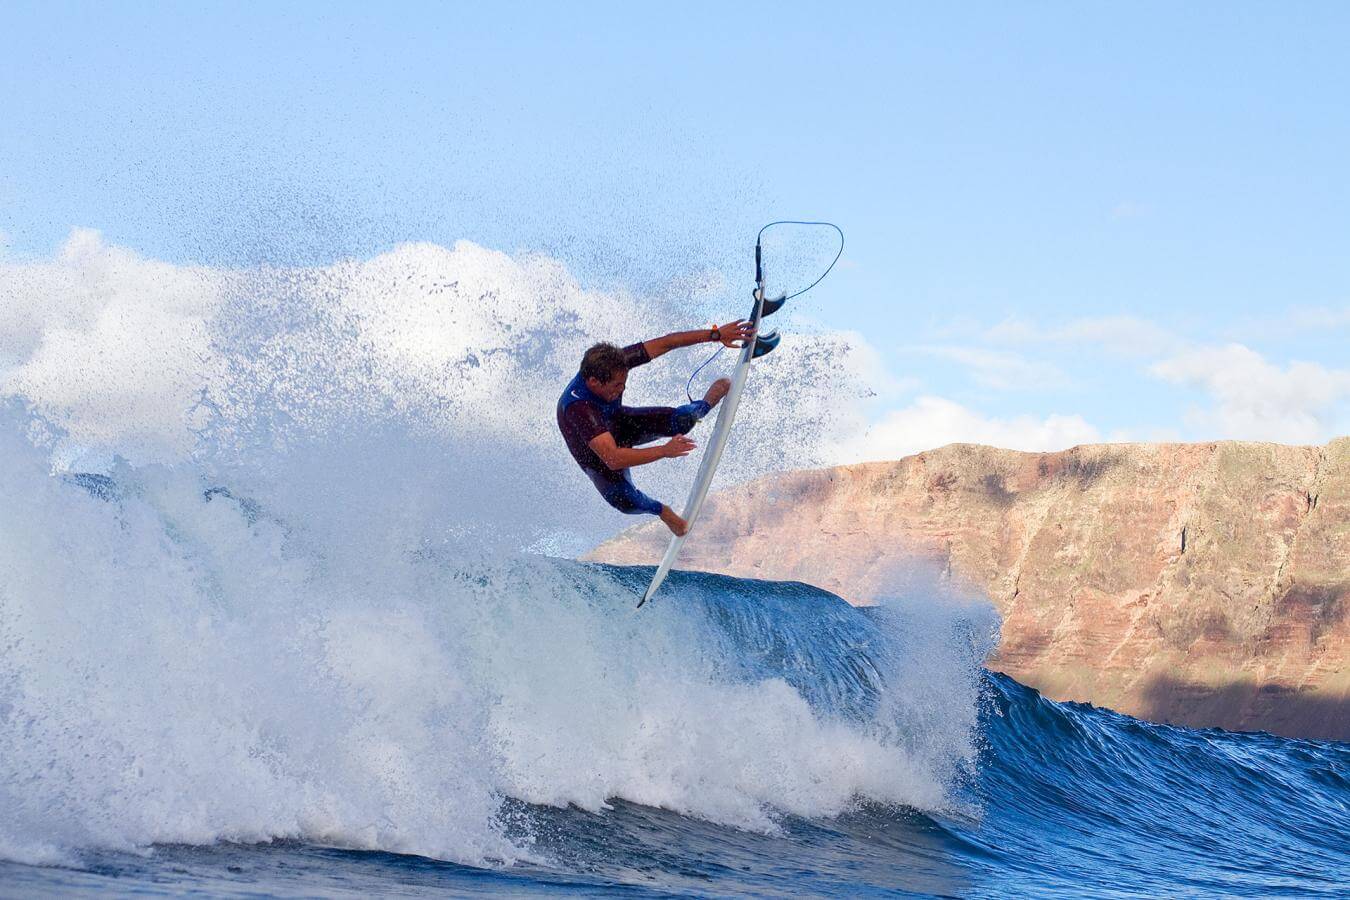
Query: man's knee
point(635, 506)
point(630, 501)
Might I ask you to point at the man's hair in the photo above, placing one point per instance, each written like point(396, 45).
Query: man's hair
point(602, 362)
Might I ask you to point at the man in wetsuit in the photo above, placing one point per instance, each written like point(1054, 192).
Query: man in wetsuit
point(604, 436)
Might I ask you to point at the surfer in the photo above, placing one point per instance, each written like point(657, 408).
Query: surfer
point(603, 435)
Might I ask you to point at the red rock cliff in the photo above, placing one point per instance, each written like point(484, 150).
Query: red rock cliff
point(1201, 584)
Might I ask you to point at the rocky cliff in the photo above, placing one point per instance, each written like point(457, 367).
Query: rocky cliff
point(1200, 584)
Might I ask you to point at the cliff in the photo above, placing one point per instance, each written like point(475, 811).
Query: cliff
point(1199, 584)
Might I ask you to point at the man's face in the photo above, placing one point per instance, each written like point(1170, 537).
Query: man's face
point(611, 390)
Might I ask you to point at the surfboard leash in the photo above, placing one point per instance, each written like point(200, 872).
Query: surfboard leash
point(777, 302)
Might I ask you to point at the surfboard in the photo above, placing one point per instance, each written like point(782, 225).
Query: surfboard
point(712, 455)
point(762, 345)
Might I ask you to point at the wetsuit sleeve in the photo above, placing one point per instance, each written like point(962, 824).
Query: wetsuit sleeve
point(583, 420)
point(635, 355)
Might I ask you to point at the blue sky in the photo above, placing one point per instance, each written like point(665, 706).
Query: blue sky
point(1129, 219)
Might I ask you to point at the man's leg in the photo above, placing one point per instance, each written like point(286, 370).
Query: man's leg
point(677, 525)
point(634, 426)
point(684, 418)
point(619, 492)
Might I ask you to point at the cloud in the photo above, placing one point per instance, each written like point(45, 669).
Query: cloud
point(1318, 318)
point(1001, 370)
point(1129, 209)
point(931, 422)
point(1122, 335)
point(1291, 322)
point(1256, 400)
point(1251, 398)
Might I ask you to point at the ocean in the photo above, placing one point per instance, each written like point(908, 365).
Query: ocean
point(199, 704)
point(289, 607)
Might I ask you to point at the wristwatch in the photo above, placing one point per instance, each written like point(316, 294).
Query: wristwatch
point(715, 334)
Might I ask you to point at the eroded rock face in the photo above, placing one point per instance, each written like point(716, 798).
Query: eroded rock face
point(1200, 584)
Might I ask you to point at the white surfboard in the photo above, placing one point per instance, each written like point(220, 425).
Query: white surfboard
point(761, 345)
point(712, 455)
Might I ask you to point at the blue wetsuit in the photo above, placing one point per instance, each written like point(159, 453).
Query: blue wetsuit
point(583, 416)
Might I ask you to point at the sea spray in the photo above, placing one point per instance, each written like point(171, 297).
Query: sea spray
point(261, 576)
point(441, 364)
point(184, 668)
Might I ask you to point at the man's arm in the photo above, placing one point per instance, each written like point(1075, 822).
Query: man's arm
point(732, 334)
point(617, 457)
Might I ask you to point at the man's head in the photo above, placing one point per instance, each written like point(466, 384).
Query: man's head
point(603, 370)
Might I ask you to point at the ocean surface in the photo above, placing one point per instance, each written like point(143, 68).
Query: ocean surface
point(512, 725)
point(288, 607)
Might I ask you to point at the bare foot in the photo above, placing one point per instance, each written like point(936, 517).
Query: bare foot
point(717, 391)
point(677, 525)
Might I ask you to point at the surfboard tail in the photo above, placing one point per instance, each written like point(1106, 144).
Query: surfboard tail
point(765, 343)
point(672, 551)
point(772, 306)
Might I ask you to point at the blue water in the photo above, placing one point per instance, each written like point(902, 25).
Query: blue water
point(273, 631)
point(1036, 797)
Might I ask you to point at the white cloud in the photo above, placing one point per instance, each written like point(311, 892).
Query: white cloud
point(1317, 317)
point(934, 421)
point(1123, 335)
point(1129, 209)
point(1291, 322)
point(1256, 400)
point(1001, 370)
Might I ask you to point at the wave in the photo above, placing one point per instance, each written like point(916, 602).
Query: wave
point(181, 667)
point(262, 590)
point(1082, 796)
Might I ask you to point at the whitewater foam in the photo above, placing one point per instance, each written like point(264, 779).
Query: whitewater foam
point(293, 604)
point(178, 670)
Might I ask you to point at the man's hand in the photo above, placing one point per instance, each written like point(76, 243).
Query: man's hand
point(735, 334)
point(679, 445)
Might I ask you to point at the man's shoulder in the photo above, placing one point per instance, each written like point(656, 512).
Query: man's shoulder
point(578, 406)
point(575, 390)
point(635, 355)
point(572, 399)
point(581, 421)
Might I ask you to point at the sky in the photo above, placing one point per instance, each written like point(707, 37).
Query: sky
point(1065, 222)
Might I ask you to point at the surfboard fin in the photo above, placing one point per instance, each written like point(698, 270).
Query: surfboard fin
point(765, 344)
point(773, 306)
